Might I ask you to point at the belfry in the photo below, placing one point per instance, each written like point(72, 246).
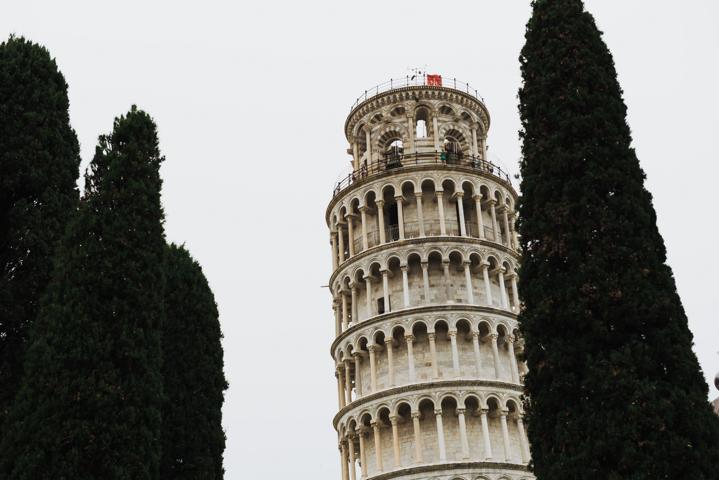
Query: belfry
point(424, 288)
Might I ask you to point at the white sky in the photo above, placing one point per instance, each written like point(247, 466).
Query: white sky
point(250, 99)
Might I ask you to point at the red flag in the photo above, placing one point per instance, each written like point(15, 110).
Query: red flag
point(434, 80)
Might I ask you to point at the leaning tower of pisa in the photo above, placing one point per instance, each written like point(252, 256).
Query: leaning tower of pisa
point(424, 288)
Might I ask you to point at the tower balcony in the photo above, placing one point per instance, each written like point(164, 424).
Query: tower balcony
point(399, 162)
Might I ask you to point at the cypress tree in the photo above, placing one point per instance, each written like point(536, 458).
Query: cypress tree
point(192, 437)
point(615, 389)
point(90, 400)
point(39, 161)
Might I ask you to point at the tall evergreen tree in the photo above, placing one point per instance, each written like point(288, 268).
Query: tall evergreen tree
point(39, 161)
point(90, 400)
point(615, 389)
point(192, 437)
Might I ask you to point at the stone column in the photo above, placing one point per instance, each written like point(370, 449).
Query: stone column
point(363, 218)
point(475, 148)
point(351, 234)
point(385, 290)
point(483, 145)
point(410, 130)
point(455, 353)
point(341, 236)
point(333, 239)
point(345, 312)
point(417, 438)
point(353, 299)
point(513, 359)
point(351, 445)
point(338, 315)
point(368, 284)
point(395, 441)
point(495, 354)
point(400, 215)
point(425, 281)
point(390, 362)
point(377, 445)
point(373, 366)
point(440, 435)
point(468, 280)
point(480, 220)
point(435, 132)
point(405, 286)
point(477, 358)
point(487, 283)
point(348, 381)
point(363, 451)
point(340, 387)
point(463, 433)
point(344, 461)
point(485, 436)
point(505, 435)
point(445, 268)
point(420, 213)
point(526, 456)
point(508, 240)
point(502, 288)
point(368, 139)
point(495, 226)
point(380, 216)
point(358, 376)
point(355, 156)
point(515, 292)
point(433, 353)
point(460, 207)
point(440, 209)
point(410, 357)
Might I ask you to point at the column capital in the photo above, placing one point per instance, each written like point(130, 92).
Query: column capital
point(477, 197)
point(357, 355)
point(475, 333)
point(494, 336)
point(415, 415)
point(424, 264)
point(399, 198)
point(374, 424)
point(452, 333)
point(511, 339)
point(373, 347)
point(362, 430)
point(404, 268)
point(459, 194)
point(363, 208)
point(492, 202)
point(379, 202)
point(460, 411)
point(439, 193)
point(393, 419)
point(409, 338)
point(431, 335)
point(503, 412)
point(437, 411)
point(418, 194)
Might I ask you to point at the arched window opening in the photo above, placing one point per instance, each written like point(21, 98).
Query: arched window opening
point(393, 153)
point(452, 150)
point(421, 123)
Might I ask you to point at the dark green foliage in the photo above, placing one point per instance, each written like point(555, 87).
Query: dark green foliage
point(616, 391)
point(89, 404)
point(192, 437)
point(39, 160)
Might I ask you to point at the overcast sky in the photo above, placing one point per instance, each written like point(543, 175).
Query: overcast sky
point(250, 99)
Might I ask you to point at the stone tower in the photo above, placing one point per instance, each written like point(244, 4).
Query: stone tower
point(424, 284)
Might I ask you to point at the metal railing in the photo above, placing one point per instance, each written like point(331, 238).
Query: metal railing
point(397, 162)
point(417, 81)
